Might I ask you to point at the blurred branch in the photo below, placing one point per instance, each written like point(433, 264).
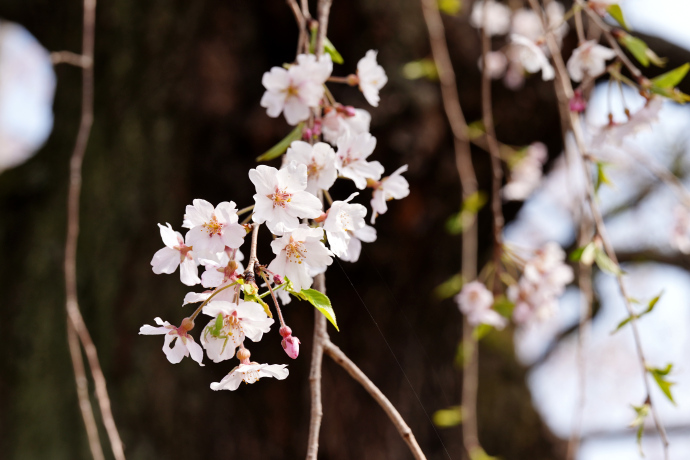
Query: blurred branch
point(405, 432)
point(68, 57)
point(302, 44)
point(71, 301)
point(575, 123)
point(320, 337)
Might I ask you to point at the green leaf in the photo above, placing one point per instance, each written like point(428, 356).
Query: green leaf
point(477, 453)
point(671, 78)
point(642, 412)
point(446, 418)
point(475, 202)
point(602, 178)
point(640, 50)
point(476, 129)
point(660, 379)
point(280, 148)
point(462, 220)
point(321, 302)
point(650, 306)
point(480, 331)
point(503, 306)
point(585, 254)
point(605, 263)
point(450, 7)
point(423, 68)
point(617, 14)
point(449, 287)
point(330, 49)
point(672, 93)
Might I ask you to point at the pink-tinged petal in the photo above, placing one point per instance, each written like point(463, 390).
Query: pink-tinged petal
point(278, 265)
point(366, 234)
point(300, 152)
point(205, 245)
point(199, 213)
point(230, 382)
point(304, 204)
point(354, 248)
point(165, 260)
point(291, 346)
point(338, 242)
point(196, 297)
point(189, 274)
point(151, 330)
point(275, 80)
point(378, 204)
point(295, 110)
point(233, 235)
point(177, 352)
point(170, 237)
point(293, 176)
point(274, 102)
point(217, 307)
point(195, 350)
point(212, 278)
point(277, 371)
point(299, 275)
point(226, 212)
point(264, 179)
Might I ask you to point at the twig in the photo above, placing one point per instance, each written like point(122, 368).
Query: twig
point(71, 301)
point(323, 9)
point(575, 123)
point(497, 171)
point(249, 272)
point(68, 57)
point(320, 338)
point(83, 393)
point(405, 432)
point(301, 25)
point(468, 182)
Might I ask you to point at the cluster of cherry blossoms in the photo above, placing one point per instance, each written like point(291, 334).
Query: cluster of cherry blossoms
point(289, 202)
point(534, 296)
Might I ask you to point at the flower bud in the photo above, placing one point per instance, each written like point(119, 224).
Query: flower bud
point(349, 111)
point(243, 355)
point(278, 280)
point(187, 324)
point(577, 103)
point(291, 346)
point(307, 134)
point(285, 331)
point(316, 129)
point(352, 80)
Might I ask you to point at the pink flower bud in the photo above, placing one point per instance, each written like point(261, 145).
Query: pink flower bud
point(577, 103)
point(349, 111)
point(307, 134)
point(317, 128)
point(285, 331)
point(243, 355)
point(291, 346)
point(187, 324)
point(277, 279)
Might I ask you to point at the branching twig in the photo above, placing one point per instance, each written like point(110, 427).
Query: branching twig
point(563, 95)
point(320, 337)
point(253, 261)
point(340, 358)
point(68, 57)
point(301, 25)
point(71, 302)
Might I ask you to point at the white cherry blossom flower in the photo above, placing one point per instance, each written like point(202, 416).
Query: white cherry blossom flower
point(354, 245)
point(223, 270)
point(498, 17)
point(230, 325)
point(281, 199)
point(343, 219)
point(617, 133)
point(496, 63)
point(343, 120)
point(393, 187)
point(296, 90)
point(250, 373)
point(532, 57)
point(475, 302)
point(212, 229)
point(526, 175)
point(589, 58)
point(353, 150)
point(555, 12)
point(371, 77)
point(297, 252)
point(184, 343)
point(175, 253)
point(526, 23)
point(320, 162)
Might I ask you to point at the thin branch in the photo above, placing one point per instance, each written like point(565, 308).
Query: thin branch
point(320, 338)
point(496, 169)
point(405, 432)
point(68, 57)
point(324, 9)
point(468, 181)
point(253, 261)
point(71, 301)
point(575, 123)
point(83, 393)
point(303, 41)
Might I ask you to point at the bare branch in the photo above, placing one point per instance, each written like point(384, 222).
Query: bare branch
point(68, 57)
point(320, 337)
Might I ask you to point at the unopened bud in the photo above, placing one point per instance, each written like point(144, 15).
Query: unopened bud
point(187, 324)
point(285, 331)
point(307, 134)
point(291, 346)
point(577, 103)
point(349, 111)
point(243, 355)
point(316, 130)
point(277, 279)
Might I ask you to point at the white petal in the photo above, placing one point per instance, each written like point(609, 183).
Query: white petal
point(165, 260)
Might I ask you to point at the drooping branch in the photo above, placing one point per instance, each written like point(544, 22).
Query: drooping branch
point(320, 337)
point(71, 300)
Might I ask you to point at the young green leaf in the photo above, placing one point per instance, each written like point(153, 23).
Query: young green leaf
point(671, 78)
point(480, 331)
point(602, 178)
point(280, 148)
point(617, 14)
point(650, 306)
point(423, 68)
point(503, 306)
point(605, 263)
point(447, 418)
point(660, 379)
point(475, 202)
point(449, 288)
point(330, 49)
point(637, 48)
point(321, 302)
point(641, 414)
point(450, 7)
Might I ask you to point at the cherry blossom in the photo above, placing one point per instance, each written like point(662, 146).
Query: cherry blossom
point(353, 150)
point(295, 90)
point(230, 325)
point(281, 199)
point(371, 77)
point(289, 343)
point(320, 162)
point(475, 302)
point(343, 219)
point(343, 120)
point(589, 58)
point(175, 253)
point(526, 175)
point(532, 57)
point(223, 270)
point(250, 373)
point(527, 24)
point(184, 343)
point(616, 133)
point(298, 251)
point(498, 17)
point(393, 187)
point(555, 12)
point(496, 63)
point(212, 229)
point(354, 244)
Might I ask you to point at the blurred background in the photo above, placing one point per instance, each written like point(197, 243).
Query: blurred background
point(177, 117)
